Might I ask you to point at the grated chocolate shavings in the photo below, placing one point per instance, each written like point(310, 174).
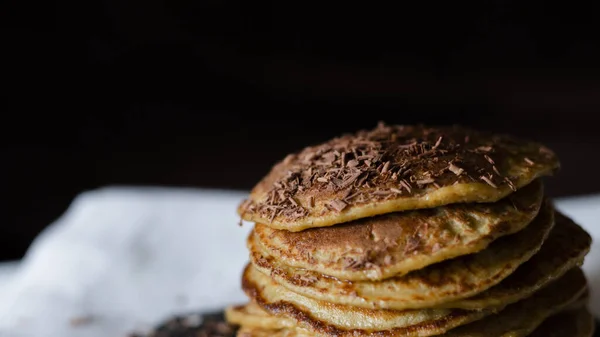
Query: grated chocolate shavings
point(338, 205)
point(425, 181)
point(406, 185)
point(510, 184)
point(352, 163)
point(385, 168)
point(389, 162)
point(455, 169)
point(488, 181)
point(496, 170)
point(437, 143)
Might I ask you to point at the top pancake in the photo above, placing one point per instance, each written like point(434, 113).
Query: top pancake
point(390, 169)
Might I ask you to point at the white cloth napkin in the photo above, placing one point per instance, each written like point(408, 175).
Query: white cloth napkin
point(124, 259)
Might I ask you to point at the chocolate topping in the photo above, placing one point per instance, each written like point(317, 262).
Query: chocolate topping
point(391, 162)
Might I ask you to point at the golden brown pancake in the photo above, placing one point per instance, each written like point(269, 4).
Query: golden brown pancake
point(572, 323)
point(565, 248)
point(437, 284)
point(338, 320)
point(259, 332)
point(522, 318)
point(391, 169)
point(518, 319)
point(254, 316)
point(396, 243)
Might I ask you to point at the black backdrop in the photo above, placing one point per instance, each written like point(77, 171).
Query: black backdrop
point(211, 93)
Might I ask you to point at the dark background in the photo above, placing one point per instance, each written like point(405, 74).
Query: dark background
point(212, 93)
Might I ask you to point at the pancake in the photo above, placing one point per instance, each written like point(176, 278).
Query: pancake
point(437, 284)
point(522, 318)
point(394, 244)
point(258, 332)
point(391, 169)
point(329, 319)
point(566, 247)
point(253, 316)
point(573, 323)
point(516, 320)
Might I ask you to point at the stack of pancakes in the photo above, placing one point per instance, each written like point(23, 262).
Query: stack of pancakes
point(412, 231)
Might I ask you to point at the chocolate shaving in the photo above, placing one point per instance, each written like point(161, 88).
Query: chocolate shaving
point(529, 161)
point(385, 168)
point(488, 159)
point(425, 181)
point(455, 169)
point(338, 205)
point(510, 184)
point(352, 163)
point(406, 185)
point(488, 181)
point(395, 190)
point(437, 144)
point(350, 180)
point(496, 170)
point(382, 192)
